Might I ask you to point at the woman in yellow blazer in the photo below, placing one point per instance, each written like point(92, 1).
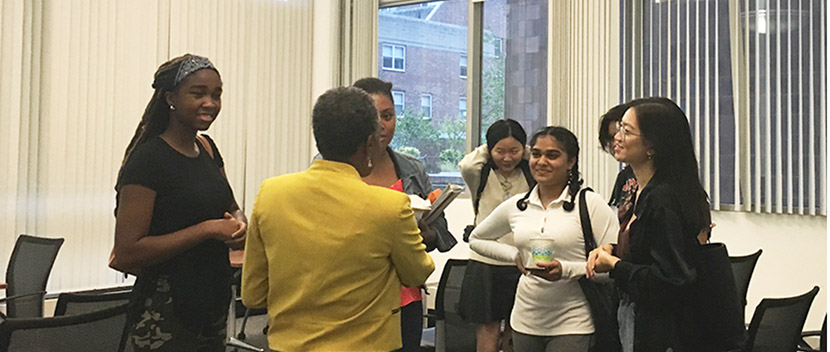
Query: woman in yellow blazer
point(319, 253)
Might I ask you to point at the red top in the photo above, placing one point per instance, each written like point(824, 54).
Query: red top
point(408, 294)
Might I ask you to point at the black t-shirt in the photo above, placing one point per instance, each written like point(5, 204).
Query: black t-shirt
point(188, 191)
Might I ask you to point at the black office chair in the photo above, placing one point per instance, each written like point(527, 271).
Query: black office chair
point(777, 323)
point(450, 333)
point(808, 336)
point(26, 276)
point(743, 267)
point(89, 332)
point(74, 303)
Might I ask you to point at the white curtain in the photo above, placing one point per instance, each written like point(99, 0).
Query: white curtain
point(358, 30)
point(583, 79)
point(76, 79)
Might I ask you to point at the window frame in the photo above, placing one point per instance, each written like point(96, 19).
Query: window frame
point(429, 96)
point(399, 113)
point(392, 46)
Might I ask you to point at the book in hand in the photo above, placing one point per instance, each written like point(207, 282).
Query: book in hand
point(447, 196)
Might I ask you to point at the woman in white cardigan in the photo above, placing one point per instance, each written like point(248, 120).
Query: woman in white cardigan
point(493, 172)
point(550, 312)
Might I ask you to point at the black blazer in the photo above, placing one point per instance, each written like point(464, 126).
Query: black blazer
point(659, 273)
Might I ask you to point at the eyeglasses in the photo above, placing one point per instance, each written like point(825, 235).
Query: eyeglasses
point(625, 132)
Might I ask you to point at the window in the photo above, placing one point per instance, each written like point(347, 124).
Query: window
point(514, 84)
point(398, 99)
point(435, 34)
point(497, 46)
point(462, 63)
point(394, 57)
point(426, 105)
point(462, 108)
point(755, 109)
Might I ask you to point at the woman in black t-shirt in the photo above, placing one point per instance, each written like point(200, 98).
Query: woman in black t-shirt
point(176, 215)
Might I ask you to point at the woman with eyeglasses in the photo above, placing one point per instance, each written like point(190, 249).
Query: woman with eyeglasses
point(493, 172)
point(652, 260)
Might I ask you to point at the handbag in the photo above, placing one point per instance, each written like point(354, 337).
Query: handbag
point(715, 306)
point(602, 296)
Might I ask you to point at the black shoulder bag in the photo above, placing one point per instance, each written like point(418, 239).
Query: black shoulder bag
point(602, 296)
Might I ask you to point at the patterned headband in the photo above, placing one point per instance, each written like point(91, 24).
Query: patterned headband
point(189, 65)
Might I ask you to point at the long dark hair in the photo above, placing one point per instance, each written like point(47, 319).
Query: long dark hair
point(502, 129)
point(665, 128)
point(569, 142)
point(156, 115)
point(612, 116)
point(499, 130)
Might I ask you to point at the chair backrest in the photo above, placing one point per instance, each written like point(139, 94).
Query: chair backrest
point(90, 332)
point(29, 267)
point(777, 322)
point(74, 303)
point(743, 267)
point(452, 333)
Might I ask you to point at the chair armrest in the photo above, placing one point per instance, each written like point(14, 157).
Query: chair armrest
point(802, 343)
point(9, 298)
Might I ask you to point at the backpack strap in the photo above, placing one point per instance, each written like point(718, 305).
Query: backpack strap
point(205, 144)
point(585, 219)
point(482, 182)
point(485, 173)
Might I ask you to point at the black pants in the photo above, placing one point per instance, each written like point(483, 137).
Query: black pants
point(412, 325)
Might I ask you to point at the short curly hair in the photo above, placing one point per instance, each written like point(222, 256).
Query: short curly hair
point(342, 119)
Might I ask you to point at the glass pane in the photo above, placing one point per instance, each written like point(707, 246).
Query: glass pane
point(436, 36)
point(514, 66)
point(398, 98)
point(387, 51)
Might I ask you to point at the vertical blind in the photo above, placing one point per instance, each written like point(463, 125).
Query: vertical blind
point(584, 54)
point(751, 77)
point(76, 78)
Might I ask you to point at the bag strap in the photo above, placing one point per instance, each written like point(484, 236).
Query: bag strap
point(585, 219)
point(482, 182)
point(205, 144)
point(485, 173)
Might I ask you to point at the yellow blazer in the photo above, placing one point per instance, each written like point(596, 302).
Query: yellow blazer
point(327, 254)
